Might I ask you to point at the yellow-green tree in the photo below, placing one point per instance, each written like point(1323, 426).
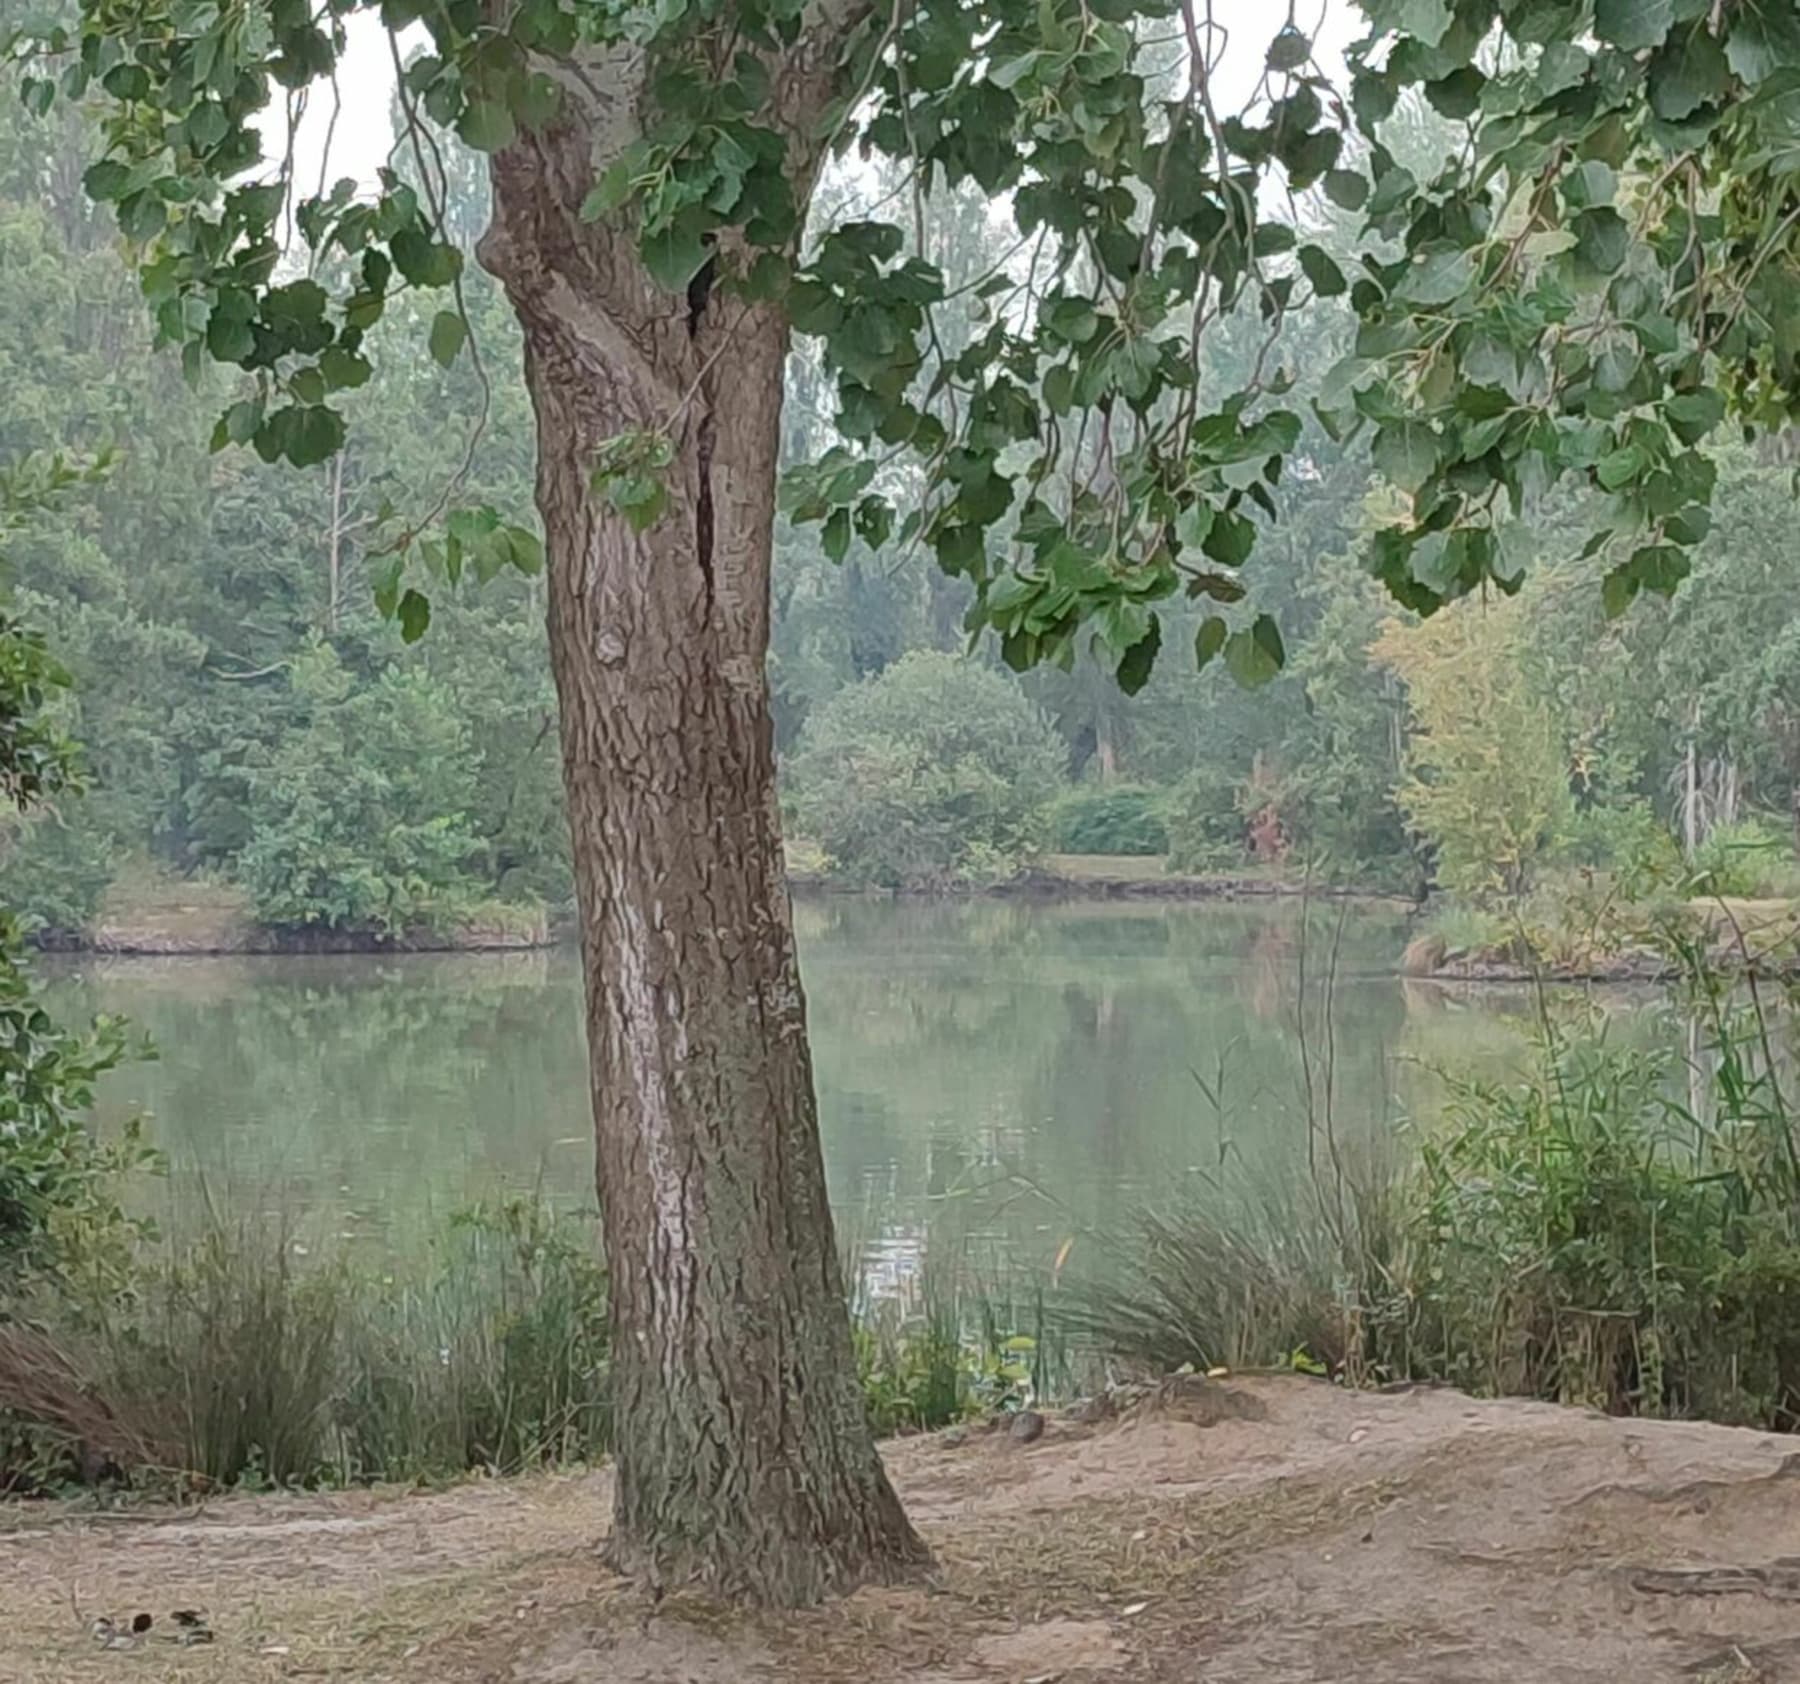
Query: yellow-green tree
point(1486, 779)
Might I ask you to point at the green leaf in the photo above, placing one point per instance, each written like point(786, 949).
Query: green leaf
point(835, 539)
point(1660, 567)
point(1392, 192)
point(1267, 636)
point(1601, 239)
point(1591, 182)
point(1319, 268)
point(1619, 467)
point(1209, 640)
point(1458, 95)
point(1429, 20)
point(538, 101)
point(1289, 50)
point(1693, 415)
point(229, 338)
point(106, 180)
point(874, 521)
point(525, 549)
point(1633, 24)
point(1438, 279)
point(614, 187)
point(298, 302)
point(1010, 72)
point(1346, 189)
point(1687, 75)
point(1762, 44)
point(127, 82)
point(486, 125)
point(423, 261)
point(238, 424)
point(1071, 319)
point(1230, 539)
point(1255, 656)
point(1136, 664)
point(344, 370)
point(320, 436)
point(449, 333)
point(640, 498)
point(1406, 454)
point(142, 216)
point(674, 255)
point(414, 612)
point(1618, 590)
point(306, 434)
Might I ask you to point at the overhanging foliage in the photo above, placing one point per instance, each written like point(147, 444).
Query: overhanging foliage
point(1596, 278)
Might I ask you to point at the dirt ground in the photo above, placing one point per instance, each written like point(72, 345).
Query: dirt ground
point(1246, 1530)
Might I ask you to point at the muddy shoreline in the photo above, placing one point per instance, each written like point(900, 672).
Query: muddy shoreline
point(125, 941)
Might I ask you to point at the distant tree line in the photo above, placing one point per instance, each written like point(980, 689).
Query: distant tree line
point(249, 716)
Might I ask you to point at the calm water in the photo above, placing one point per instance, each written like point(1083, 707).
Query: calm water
point(1041, 1067)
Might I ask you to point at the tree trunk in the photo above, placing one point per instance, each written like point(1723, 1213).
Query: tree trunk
point(1105, 749)
point(1690, 802)
point(334, 545)
point(744, 1459)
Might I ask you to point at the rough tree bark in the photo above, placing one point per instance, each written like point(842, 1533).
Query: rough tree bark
point(744, 1459)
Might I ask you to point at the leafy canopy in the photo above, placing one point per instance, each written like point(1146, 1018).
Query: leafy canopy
point(1599, 274)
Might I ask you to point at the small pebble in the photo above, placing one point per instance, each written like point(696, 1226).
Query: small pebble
point(1027, 1427)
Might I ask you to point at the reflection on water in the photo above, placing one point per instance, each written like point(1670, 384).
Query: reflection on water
point(1044, 1067)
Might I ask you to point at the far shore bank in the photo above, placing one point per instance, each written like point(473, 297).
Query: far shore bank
point(203, 920)
point(1121, 877)
point(176, 919)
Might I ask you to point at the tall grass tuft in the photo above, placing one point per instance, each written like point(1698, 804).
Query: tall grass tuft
point(498, 1360)
point(237, 1360)
point(1247, 1276)
point(231, 1357)
point(966, 1341)
point(1615, 1228)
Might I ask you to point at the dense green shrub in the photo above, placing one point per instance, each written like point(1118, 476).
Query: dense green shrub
point(1205, 829)
point(960, 1352)
point(56, 873)
point(1487, 782)
point(939, 772)
point(357, 819)
point(1110, 819)
point(914, 1374)
point(60, 1216)
point(1581, 1235)
point(1750, 858)
point(1629, 840)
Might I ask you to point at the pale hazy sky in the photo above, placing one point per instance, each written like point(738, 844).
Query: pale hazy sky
point(362, 133)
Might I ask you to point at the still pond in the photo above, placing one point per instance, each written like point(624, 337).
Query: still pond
point(1020, 1071)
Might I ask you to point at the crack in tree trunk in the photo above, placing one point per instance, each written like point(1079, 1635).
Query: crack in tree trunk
point(703, 502)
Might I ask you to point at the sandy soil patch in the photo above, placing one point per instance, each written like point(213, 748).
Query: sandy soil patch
point(1249, 1530)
